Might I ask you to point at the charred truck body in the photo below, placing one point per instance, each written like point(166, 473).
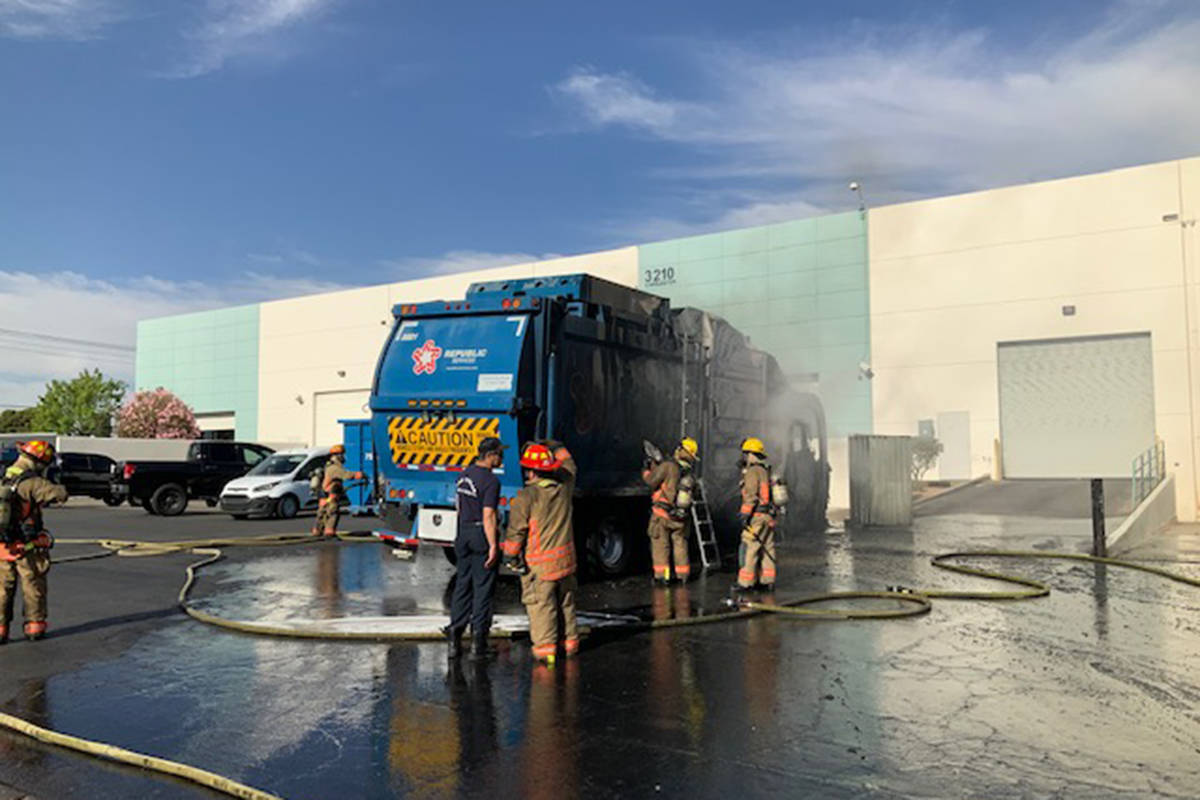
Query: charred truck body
point(600, 367)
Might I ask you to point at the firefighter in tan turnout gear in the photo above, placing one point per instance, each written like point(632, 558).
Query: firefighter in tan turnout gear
point(540, 546)
point(25, 552)
point(757, 552)
point(333, 492)
point(671, 484)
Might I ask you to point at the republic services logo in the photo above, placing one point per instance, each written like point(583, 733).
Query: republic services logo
point(425, 358)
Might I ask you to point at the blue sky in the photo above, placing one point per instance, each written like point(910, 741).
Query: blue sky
point(161, 156)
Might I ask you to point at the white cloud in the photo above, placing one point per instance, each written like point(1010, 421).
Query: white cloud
point(55, 19)
point(71, 305)
point(236, 29)
point(917, 112)
point(457, 261)
point(622, 99)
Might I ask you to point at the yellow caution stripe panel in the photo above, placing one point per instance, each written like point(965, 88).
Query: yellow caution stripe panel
point(417, 442)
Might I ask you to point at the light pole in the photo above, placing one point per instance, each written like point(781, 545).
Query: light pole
point(862, 202)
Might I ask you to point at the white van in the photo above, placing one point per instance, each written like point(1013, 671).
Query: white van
point(278, 486)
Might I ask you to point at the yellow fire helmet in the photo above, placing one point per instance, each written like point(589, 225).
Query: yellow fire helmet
point(754, 445)
point(691, 447)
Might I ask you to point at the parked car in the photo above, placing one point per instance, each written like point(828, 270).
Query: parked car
point(164, 487)
point(277, 487)
point(86, 475)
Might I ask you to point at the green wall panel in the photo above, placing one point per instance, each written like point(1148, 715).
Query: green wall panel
point(799, 289)
point(210, 359)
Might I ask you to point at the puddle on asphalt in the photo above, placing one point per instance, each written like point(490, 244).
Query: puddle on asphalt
point(1087, 692)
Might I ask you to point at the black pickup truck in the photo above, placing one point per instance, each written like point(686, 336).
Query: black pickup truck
point(164, 487)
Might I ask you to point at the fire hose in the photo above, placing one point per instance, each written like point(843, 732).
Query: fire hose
point(914, 602)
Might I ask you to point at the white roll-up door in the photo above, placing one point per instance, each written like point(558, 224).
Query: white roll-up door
point(1075, 408)
point(329, 407)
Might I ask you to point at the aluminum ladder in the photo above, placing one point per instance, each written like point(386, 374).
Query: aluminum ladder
point(706, 534)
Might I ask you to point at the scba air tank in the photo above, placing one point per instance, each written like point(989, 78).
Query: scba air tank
point(683, 495)
point(779, 491)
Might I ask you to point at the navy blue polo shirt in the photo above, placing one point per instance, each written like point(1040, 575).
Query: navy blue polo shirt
point(478, 488)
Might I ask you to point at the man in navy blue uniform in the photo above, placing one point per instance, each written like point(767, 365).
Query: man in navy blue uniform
point(476, 547)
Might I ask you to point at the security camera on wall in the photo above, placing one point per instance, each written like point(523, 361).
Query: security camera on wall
point(865, 371)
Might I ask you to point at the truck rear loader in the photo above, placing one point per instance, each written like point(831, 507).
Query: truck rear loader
point(599, 367)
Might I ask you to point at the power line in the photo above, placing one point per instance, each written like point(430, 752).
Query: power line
point(48, 338)
point(123, 358)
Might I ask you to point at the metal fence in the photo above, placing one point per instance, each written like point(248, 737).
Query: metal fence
point(1149, 469)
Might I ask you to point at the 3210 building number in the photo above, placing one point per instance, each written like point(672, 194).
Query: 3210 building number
point(659, 276)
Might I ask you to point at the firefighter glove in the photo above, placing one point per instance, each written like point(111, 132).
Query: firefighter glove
point(517, 564)
point(44, 540)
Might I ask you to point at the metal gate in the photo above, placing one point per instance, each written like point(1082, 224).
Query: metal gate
point(1072, 408)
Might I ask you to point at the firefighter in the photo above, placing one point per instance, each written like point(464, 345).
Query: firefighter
point(540, 546)
point(25, 553)
point(333, 492)
point(757, 553)
point(669, 505)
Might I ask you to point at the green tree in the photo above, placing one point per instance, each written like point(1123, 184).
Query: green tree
point(83, 406)
point(925, 452)
point(16, 420)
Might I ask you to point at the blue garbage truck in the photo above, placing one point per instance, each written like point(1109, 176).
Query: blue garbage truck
point(600, 367)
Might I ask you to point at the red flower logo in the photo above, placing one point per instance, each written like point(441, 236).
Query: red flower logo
point(425, 358)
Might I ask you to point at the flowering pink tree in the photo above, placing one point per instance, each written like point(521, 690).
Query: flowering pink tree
point(157, 414)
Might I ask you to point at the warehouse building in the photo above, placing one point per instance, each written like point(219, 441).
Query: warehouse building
point(1042, 330)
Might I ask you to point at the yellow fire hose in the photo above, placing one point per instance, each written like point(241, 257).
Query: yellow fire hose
point(153, 763)
point(913, 602)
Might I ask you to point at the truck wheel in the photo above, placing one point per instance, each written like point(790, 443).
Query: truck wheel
point(610, 546)
point(170, 500)
point(112, 501)
point(211, 502)
point(287, 506)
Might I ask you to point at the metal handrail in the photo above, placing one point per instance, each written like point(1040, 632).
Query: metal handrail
point(1149, 469)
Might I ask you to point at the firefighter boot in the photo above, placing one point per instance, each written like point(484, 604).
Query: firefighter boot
point(35, 630)
point(454, 642)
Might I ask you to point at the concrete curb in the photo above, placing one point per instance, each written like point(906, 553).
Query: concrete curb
point(974, 482)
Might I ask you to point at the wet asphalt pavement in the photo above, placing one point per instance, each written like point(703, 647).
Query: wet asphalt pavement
point(1088, 693)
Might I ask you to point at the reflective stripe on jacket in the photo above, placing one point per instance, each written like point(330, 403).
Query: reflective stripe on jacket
point(663, 479)
point(539, 523)
point(756, 490)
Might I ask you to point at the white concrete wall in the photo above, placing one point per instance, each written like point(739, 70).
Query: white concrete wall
point(314, 349)
point(952, 277)
point(839, 473)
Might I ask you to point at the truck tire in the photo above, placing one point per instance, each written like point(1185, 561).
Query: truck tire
point(112, 501)
point(146, 504)
point(169, 500)
point(211, 502)
point(610, 545)
point(287, 506)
